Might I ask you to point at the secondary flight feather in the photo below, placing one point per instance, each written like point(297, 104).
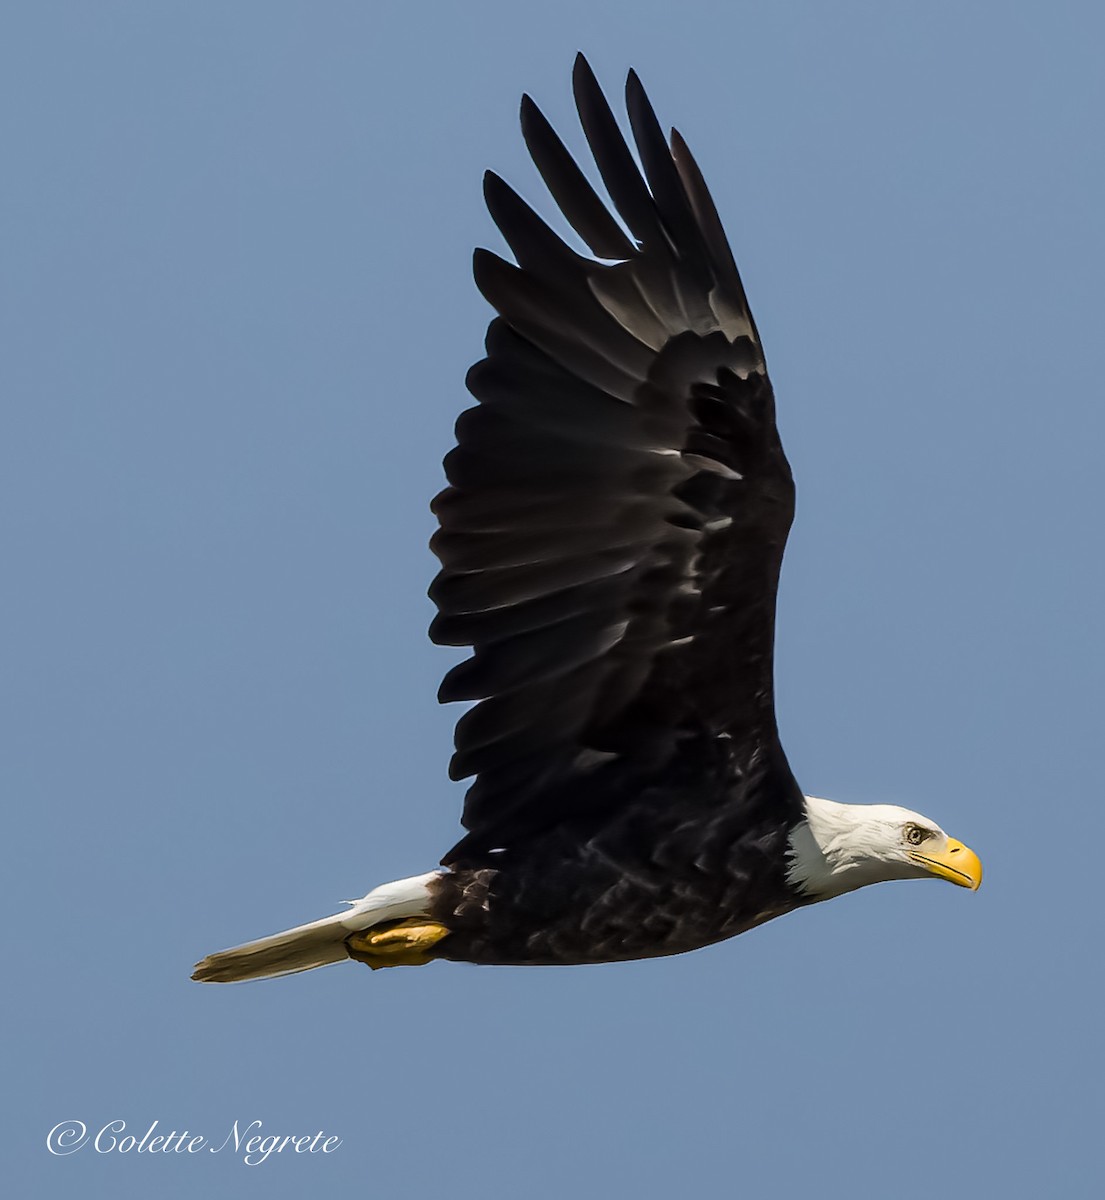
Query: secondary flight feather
point(610, 545)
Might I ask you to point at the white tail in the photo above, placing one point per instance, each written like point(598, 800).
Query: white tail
point(320, 942)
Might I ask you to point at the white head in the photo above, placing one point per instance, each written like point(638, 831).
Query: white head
point(841, 847)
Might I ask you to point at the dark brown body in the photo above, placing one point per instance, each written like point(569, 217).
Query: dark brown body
point(655, 878)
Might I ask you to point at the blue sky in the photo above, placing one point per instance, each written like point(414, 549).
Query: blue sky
point(237, 312)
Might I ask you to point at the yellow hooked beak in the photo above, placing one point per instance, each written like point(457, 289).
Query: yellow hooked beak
point(955, 862)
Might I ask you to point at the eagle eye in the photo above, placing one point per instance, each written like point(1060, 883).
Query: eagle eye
point(914, 834)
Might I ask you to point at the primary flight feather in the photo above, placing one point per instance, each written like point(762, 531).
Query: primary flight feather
point(610, 545)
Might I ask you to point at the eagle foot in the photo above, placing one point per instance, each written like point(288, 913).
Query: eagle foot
point(405, 943)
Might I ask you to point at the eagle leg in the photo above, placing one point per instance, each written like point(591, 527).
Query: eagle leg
point(405, 943)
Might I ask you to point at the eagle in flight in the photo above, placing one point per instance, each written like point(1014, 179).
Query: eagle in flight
point(610, 542)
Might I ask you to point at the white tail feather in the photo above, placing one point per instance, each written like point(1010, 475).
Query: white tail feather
point(321, 942)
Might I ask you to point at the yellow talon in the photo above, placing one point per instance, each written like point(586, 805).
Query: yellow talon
point(405, 943)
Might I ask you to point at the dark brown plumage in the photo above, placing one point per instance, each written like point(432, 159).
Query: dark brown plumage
point(610, 545)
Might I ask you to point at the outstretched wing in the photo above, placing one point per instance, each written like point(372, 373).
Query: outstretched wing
point(619, 499)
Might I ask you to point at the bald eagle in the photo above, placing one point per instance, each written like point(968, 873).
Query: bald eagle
point(610, 544)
